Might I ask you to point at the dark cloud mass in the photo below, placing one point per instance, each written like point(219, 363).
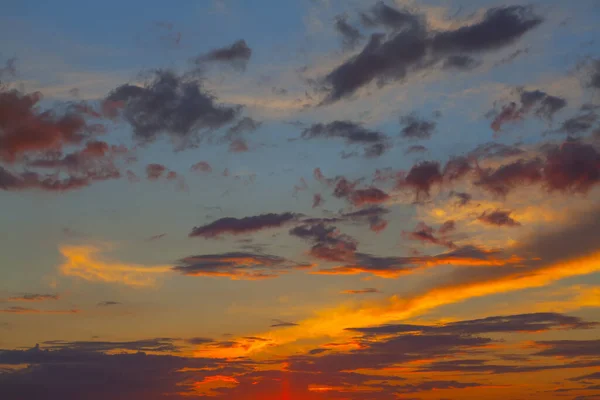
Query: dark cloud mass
point(237, 226)
point(498, 218)
point(417, 128)
point(170, 104)
point(375, 143)
point(236, 265)
point(237, 55)
point(409, 46)
point(351, 36)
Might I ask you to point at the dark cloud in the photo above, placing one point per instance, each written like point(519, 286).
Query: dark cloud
point(236, 265)
point(236, 55)
point(498, 218)
point(351, 36)
point(539, 102)
point(510, 176)
point(416, 128)
point(425, 233)
point(415, 149)
point(570, 348)
point(245, 124)
point(447, 227)
point(383, 15)
point(370, 195)
point(158, 345)
point(34, 180)
point(572, 167)
point(580, 123)
point(421, 178)
point(589, 377)
point(456, 168)
point(375, 143)
point(198, 341)
point(108, 303)
point(373, 215)
point(392, 267)
point(361, 291)
point(237, 226)
point(72, 373)
point(463, 198)
point(460, 61)
point(409, 46)
point(177, 106)
point(34, 297)
point(277, 323)
point(27, 310)
point(495, 150)
point(535, 322)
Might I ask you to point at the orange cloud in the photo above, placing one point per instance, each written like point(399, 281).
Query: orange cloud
point(332, 323)
point(83, 262)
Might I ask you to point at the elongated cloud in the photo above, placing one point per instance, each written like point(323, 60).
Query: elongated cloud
point(27, 310)
point(238, 226)
point(84, 262)
point(237, 266)
point(408, 46)
point(30, 297)
point(237, 55)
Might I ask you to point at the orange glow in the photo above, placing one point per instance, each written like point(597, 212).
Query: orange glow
point(82, 262)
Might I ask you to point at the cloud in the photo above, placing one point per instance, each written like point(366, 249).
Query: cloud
point(245, 124)
point(351, 36)
point(416, 149)
point(409, 46)
point(158, 345)
point(25, 129)
point(25, 310)
point(425, 233)
point(88, 372)
point(569, 348)
point(539, 102)
point(416, 128)
point(535, 322)
point(361, 291)
point(236, 55)
point(31, 297)
point(83, 262)
point(370, 195)
point(177, 106)
point(201, 166)
point(238, 146)
point(277, 323)
point(155, 171)
point(421, 178)
point(237, 266)
point(317, 200)
point(108, 303)
point(375, 143)
point(238, 226)
point(498, 218)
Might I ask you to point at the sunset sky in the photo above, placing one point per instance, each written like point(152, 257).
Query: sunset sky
point(300, 200)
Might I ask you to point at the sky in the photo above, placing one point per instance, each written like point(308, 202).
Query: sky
point(300, 200)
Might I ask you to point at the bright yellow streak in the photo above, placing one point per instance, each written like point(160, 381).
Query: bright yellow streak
point(83, 262)
point(332, 323)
